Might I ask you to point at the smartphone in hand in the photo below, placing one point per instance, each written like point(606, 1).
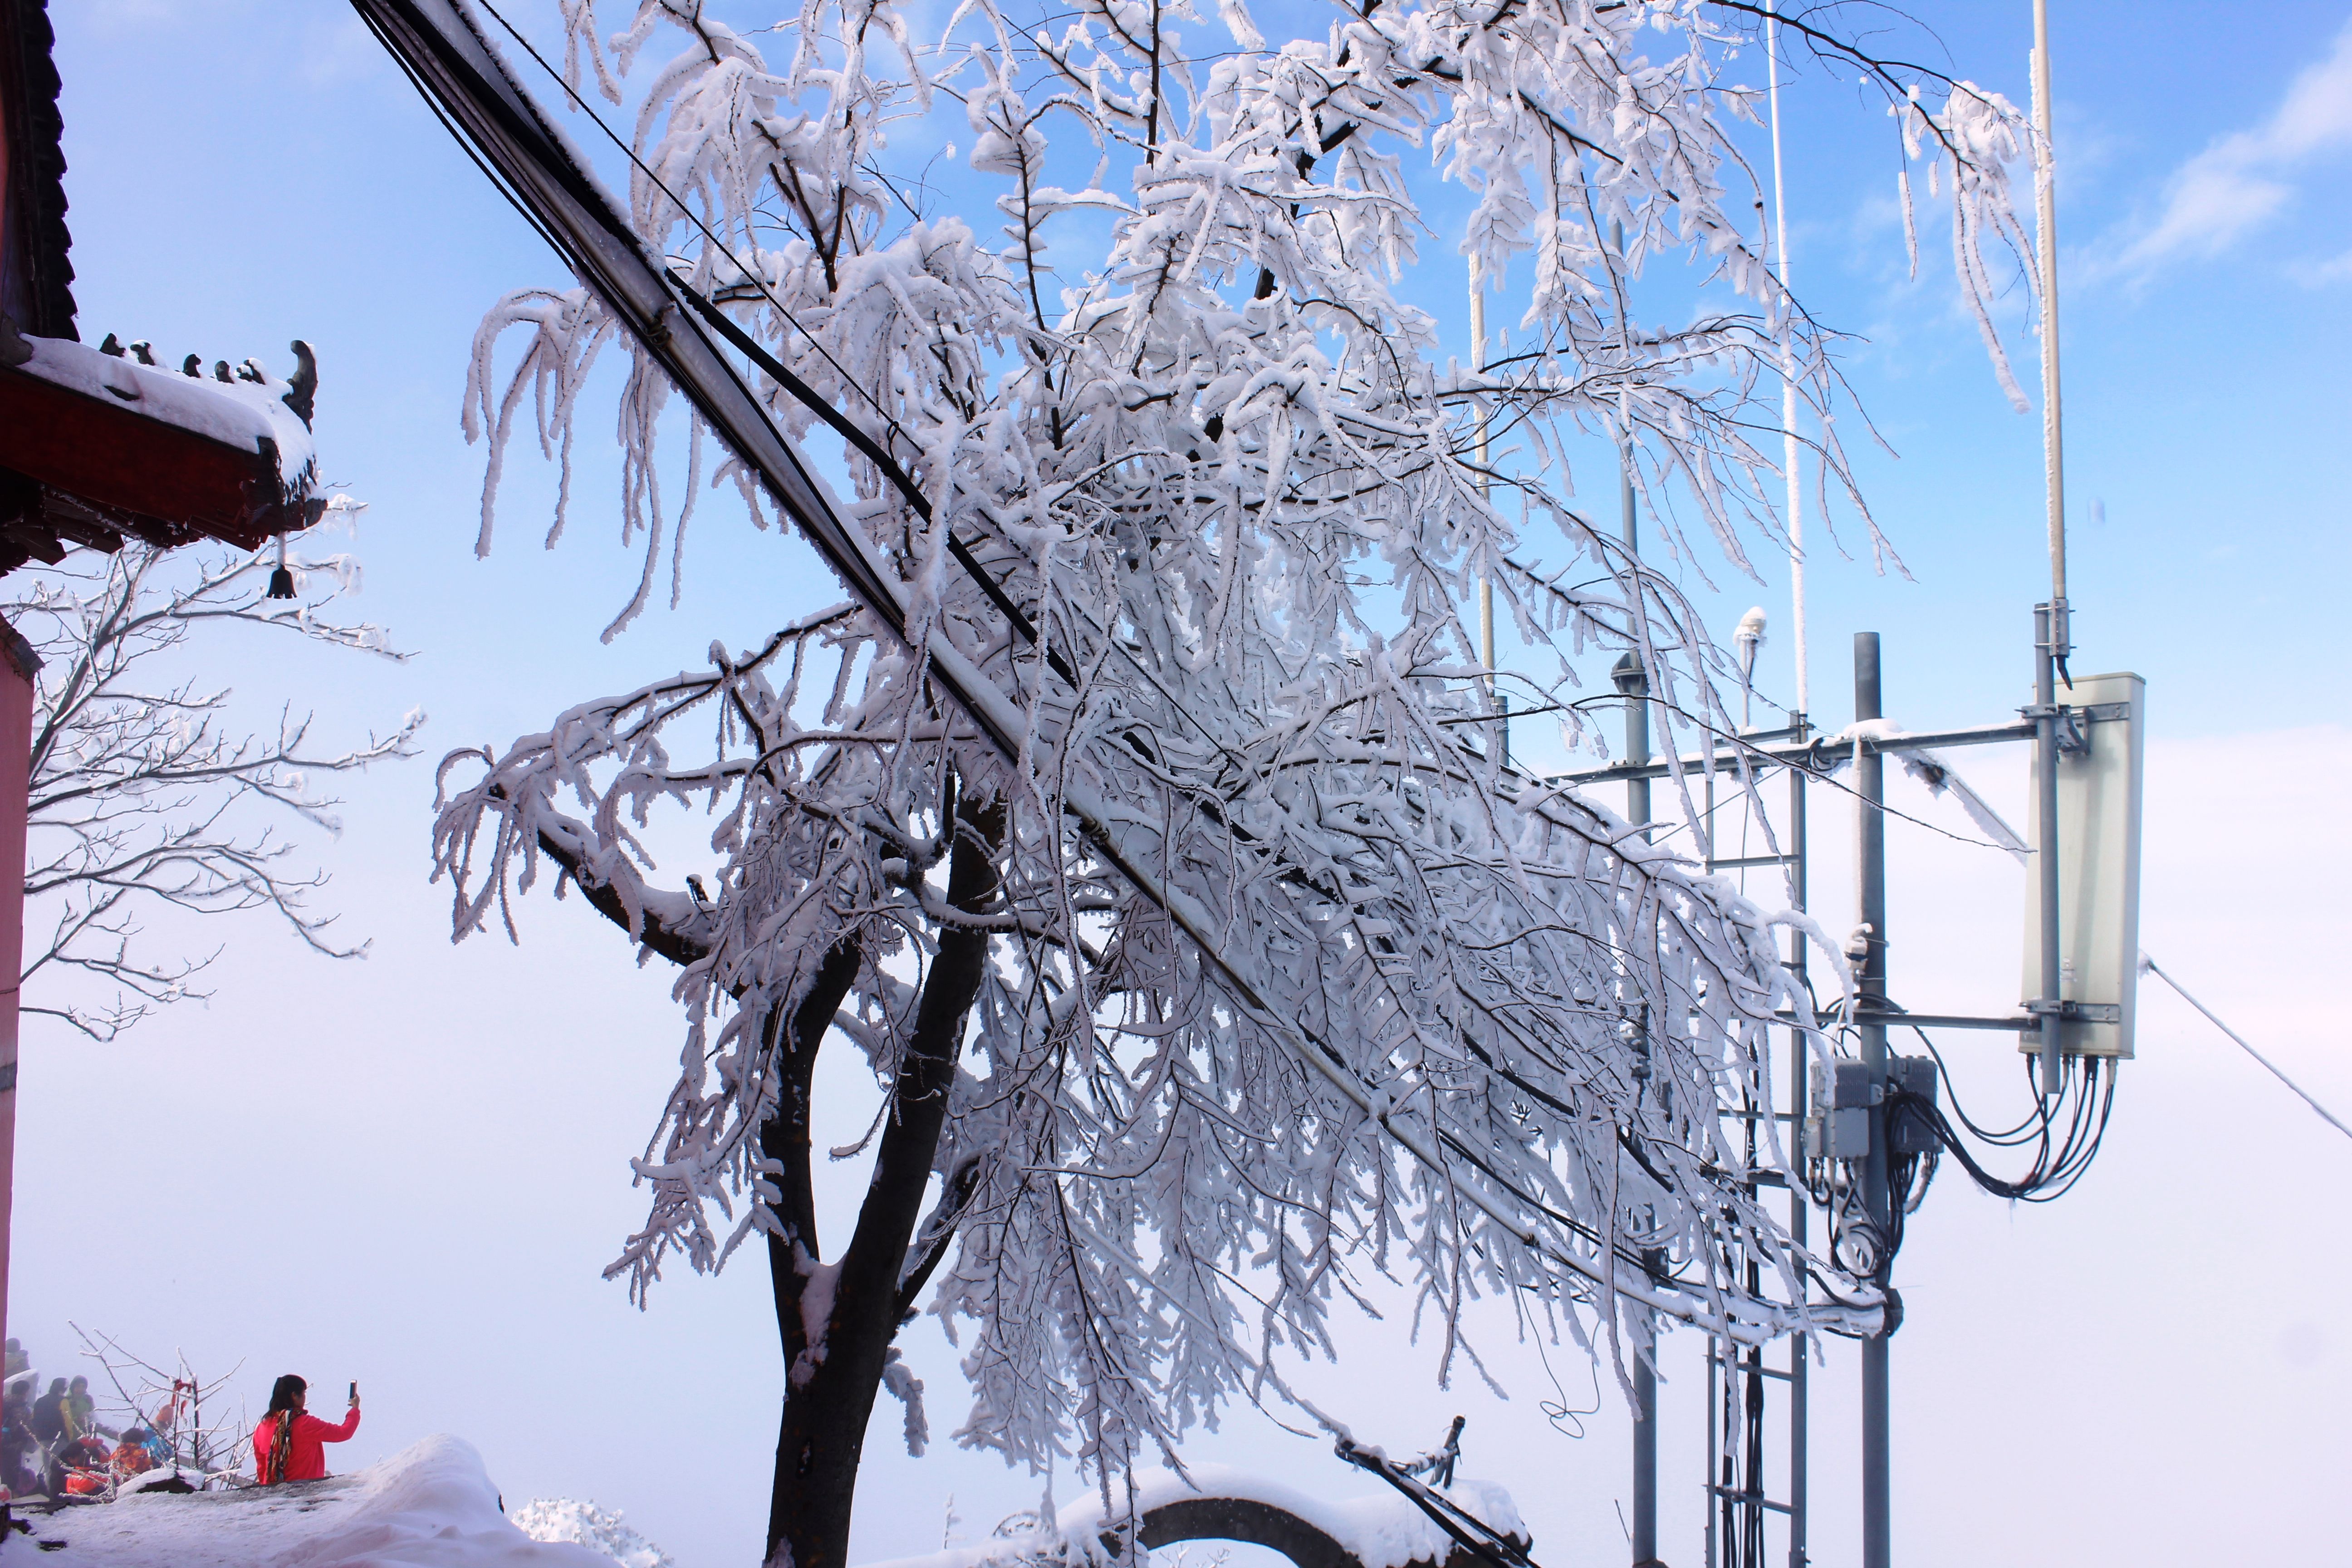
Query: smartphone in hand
point(355, 1391)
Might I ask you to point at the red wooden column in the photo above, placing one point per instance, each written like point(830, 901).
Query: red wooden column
point(17, 664)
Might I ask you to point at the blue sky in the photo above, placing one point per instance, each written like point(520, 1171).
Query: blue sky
point(410, 1169)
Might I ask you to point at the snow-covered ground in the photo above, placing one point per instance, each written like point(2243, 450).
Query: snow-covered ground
point(432, 1506)
point(1384, 1531)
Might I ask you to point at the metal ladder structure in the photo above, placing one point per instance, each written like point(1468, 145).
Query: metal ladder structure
point(1735, 1401)
point(1737, 1381)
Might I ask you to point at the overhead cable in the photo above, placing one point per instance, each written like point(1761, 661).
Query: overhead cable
point(2149, 964)
point(452, 62)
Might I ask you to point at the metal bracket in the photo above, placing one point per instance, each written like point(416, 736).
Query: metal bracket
point(2089, 713)
point(2078, 1011)
point(2072, 741)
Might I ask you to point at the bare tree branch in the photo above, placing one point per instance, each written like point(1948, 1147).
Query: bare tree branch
point(144, 790)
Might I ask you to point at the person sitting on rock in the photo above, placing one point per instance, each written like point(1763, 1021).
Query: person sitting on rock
point(289, 1444)
point(78, 1468)
point(131, 1456)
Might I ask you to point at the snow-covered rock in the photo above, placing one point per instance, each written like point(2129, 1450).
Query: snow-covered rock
point(432, 1506)
point(585, 1524)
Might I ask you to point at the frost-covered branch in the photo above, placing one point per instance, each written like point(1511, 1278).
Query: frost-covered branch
point(170, 1403)
point(145, 789)
point(1290, 979)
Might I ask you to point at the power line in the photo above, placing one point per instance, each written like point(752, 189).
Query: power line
point(2326, 1115)
point(451, 60)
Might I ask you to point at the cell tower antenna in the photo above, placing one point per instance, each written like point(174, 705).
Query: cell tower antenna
point(2045, 212)
point(2053, 632)
point(1788, 369)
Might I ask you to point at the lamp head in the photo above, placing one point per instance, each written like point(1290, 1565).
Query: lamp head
point(1749, 638)
point(1631, 679)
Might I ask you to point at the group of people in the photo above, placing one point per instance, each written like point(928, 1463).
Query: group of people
point(53, 1443)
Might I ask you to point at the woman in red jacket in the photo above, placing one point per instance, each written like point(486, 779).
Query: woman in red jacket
point(290, 1445)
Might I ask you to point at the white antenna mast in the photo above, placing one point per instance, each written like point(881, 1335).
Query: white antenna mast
point(1478, 366)
point(2045, 212)
point(1485, 491)
point(1788, 449)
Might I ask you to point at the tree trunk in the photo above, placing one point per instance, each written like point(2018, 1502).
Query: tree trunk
point(831, 1382)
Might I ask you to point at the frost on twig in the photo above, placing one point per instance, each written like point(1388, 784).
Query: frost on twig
point(1422, 1015)
point(146, 792)
point(169, 1401)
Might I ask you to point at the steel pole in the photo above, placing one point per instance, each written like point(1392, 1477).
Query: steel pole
point(2053, 632)
point(1634, 683)
point(1500, 742)
point(1871, 786)
point(2046, 621)
point(1645, 1376)
point(1799, 1071)
point(1478, 366)
point(2045, 212)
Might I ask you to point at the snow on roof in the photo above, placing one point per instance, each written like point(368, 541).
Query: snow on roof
point(240, 413)
point(432, 1506)
point(1382, 1531)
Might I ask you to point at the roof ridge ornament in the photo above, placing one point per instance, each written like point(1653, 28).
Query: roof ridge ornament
point(302, 387)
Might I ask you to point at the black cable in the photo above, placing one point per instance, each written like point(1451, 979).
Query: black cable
point(2048, 1178)
point(467, 146)
point(872, 450)
point(631, 153)
point(584, 193)
point(2037, 1116)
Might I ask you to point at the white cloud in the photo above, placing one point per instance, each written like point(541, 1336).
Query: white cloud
point(2319, 274)
point(2223, 192)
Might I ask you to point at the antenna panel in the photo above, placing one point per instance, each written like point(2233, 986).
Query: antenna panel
point(2099, 783)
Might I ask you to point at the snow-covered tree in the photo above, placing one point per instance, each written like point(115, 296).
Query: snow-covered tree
point(1211, 956)
point(146, 793)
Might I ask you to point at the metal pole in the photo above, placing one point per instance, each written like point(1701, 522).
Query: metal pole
point(1877, 1544)
point(2045, 844)
point(1716, 1502)
point(1646, 1464)
point(1801, 1062)
point(1789, 452)
point(1800, 1067)
point(1478, 365)
point(2053, 634)
point(1486, 585)
point(1635, 683)
point(2045, 212)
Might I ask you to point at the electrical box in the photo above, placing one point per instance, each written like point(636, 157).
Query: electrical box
point(1910, 1133)
point(1839, 1127)
point(2101, 761)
